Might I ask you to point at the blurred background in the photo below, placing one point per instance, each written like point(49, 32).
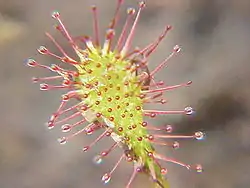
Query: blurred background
point(214, 36)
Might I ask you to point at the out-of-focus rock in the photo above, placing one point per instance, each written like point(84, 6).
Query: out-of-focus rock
point(10, 30)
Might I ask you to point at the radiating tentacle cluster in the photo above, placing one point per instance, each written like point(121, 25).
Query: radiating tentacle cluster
point(111, 84)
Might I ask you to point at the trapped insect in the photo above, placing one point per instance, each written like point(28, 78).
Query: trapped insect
point(110, 86)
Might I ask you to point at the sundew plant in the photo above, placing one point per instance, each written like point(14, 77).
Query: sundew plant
point(110, 83)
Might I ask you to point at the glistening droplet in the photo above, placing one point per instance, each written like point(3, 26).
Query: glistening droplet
point(106, 178)
point(97, 159)
point(50, 125)
point(85, 149)
point(189, 110)
point(176, 145)
point(62, 140)
point(199, 135)
point(89, 131)
point(42, 50)
point(55, 14)
point(198, 168)
point(163, 171)
point(66, 128)
point(31, 62)
point(169, 128)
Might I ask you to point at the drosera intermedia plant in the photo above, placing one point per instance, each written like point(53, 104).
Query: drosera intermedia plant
point(110, 86)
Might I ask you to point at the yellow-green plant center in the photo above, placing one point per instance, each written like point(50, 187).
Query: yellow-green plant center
point(110, 87)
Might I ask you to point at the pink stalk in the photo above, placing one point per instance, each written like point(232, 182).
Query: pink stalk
point(98, 138)
point(56, 15)
point(96, 27)
point(124, 30)
point(116, 16)
point(168, 88)
point(35, 79)
point(56, 44)
point(132, 31)
point(164, 63)
point(164, 112)
point(172, 136)
point(156, 43)
point(132, 177)
point(69, 117)
point(45, 87)
point(161, 157)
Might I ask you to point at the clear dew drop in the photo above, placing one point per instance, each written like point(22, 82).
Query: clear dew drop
point(50, 125)
point(177, 48)
point(42, 50)
point(163, 171)
point(176, 145)
point(139, 169)
point(97, 159)
point(85, 149)
point(31, 62)
point(89, 131)
point(62, 140)
point(169, 128)
point(200, 135)
point(189, 110)
point(66, 128)
point(55, 14)
point(44, 87)
point(198, 168)
point(106, 178)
